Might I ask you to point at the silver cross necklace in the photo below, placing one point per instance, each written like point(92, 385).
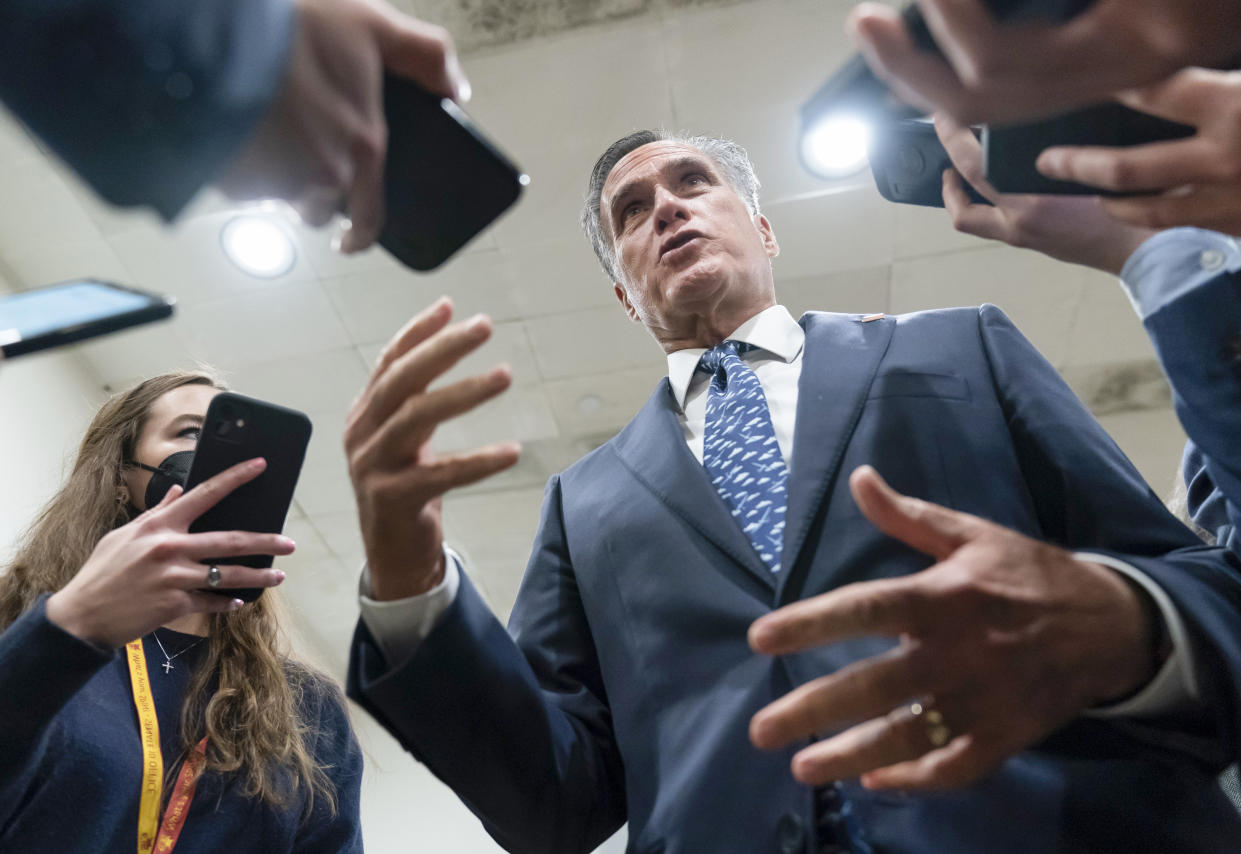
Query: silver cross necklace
point(167, 665)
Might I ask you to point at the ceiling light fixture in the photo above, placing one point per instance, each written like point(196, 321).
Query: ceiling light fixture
point(258, 246)
point(836, 145)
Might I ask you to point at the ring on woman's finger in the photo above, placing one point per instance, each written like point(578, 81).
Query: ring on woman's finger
point(213, 577)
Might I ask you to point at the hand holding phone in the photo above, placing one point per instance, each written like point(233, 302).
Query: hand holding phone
point(236, 429)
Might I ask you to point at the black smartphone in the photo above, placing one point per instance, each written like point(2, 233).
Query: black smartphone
point(444, 182)
point(908, 161)
point(55, 315)
point(1010, 151)
point(236, 429)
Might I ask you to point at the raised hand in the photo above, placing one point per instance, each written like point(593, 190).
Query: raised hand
point(397, 478)
point(148, 573)
point(1002, 641)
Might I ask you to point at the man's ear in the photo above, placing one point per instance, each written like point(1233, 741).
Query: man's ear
point(623, 298)
point(769, 237)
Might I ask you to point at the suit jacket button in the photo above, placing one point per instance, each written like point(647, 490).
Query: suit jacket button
point(792, 834)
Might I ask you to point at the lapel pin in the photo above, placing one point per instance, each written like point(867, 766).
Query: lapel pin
point(868, 318)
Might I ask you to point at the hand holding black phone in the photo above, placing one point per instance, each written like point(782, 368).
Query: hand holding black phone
point(236, 429)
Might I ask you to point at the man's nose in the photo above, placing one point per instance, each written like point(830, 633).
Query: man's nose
point(668, 208)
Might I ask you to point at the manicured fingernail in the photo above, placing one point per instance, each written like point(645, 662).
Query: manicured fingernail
point(476, 322)
point(288, 543)
point(279, 576)
point(235, 605)
point(258, 463)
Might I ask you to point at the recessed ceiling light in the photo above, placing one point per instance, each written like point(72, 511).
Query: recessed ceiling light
point(836, 146)
point(258, 246)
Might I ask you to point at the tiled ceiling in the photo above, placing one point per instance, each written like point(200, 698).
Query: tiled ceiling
point(554, 83)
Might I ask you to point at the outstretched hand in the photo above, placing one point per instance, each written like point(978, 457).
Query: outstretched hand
point(147, 572)
point(397, 478)
point(1004, 639)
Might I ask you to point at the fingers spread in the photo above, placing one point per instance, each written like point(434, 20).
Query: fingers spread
point(860, 691)
point(894, 738)
point(887, 607)
point(417, 329)
point(927, 527)
point(411, 373)
point(397, 441)
point(958, 763)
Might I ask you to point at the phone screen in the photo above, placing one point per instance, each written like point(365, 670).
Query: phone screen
point(59, 314)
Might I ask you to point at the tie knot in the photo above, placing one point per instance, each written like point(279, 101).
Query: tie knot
point(714, 360)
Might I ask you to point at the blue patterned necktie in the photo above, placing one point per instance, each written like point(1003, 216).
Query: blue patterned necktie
point(740, 451)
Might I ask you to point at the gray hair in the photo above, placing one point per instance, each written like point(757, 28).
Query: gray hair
point(732, 159)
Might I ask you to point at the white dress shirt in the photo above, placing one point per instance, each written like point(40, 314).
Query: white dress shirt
point(398, 626)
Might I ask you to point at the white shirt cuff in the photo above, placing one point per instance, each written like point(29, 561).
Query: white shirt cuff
point(1175, 686)
point(400, 625)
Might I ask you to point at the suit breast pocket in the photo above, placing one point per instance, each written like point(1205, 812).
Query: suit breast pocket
point(917, 384)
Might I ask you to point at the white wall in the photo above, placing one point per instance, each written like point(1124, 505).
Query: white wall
point(46, 401)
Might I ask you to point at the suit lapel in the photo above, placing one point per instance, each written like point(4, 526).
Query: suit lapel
point(653, 447)
point(839, 364)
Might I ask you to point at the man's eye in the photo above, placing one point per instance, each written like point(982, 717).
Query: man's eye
point(695, 179)
point(629, 211)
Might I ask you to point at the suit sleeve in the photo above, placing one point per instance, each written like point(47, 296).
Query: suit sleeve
point(517, 725)
point(1198, 339)
point(1089, 497)
point(147, 100)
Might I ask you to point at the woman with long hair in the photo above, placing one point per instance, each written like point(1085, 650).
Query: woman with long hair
point(140, 710)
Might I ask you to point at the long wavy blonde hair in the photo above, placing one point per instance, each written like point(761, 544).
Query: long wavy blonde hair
point(254, 719)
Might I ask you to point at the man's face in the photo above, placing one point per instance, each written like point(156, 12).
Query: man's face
point(685, 242)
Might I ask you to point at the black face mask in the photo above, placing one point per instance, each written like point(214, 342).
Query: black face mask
point(175, 469)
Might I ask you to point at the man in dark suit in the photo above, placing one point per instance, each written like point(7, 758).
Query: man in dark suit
point(1065, 666)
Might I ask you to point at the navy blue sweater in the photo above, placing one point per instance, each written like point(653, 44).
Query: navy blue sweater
point(70, 755)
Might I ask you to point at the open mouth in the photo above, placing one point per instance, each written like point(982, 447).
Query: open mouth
point(681, 239)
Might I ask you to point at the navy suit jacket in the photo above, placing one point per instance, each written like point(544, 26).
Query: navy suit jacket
point(1198, 339)
point(145, 99)
point(624, 687)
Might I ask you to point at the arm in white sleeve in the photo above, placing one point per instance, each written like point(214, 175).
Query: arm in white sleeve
point(1174, 262)
point(400, 625)
point(1174, 687)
